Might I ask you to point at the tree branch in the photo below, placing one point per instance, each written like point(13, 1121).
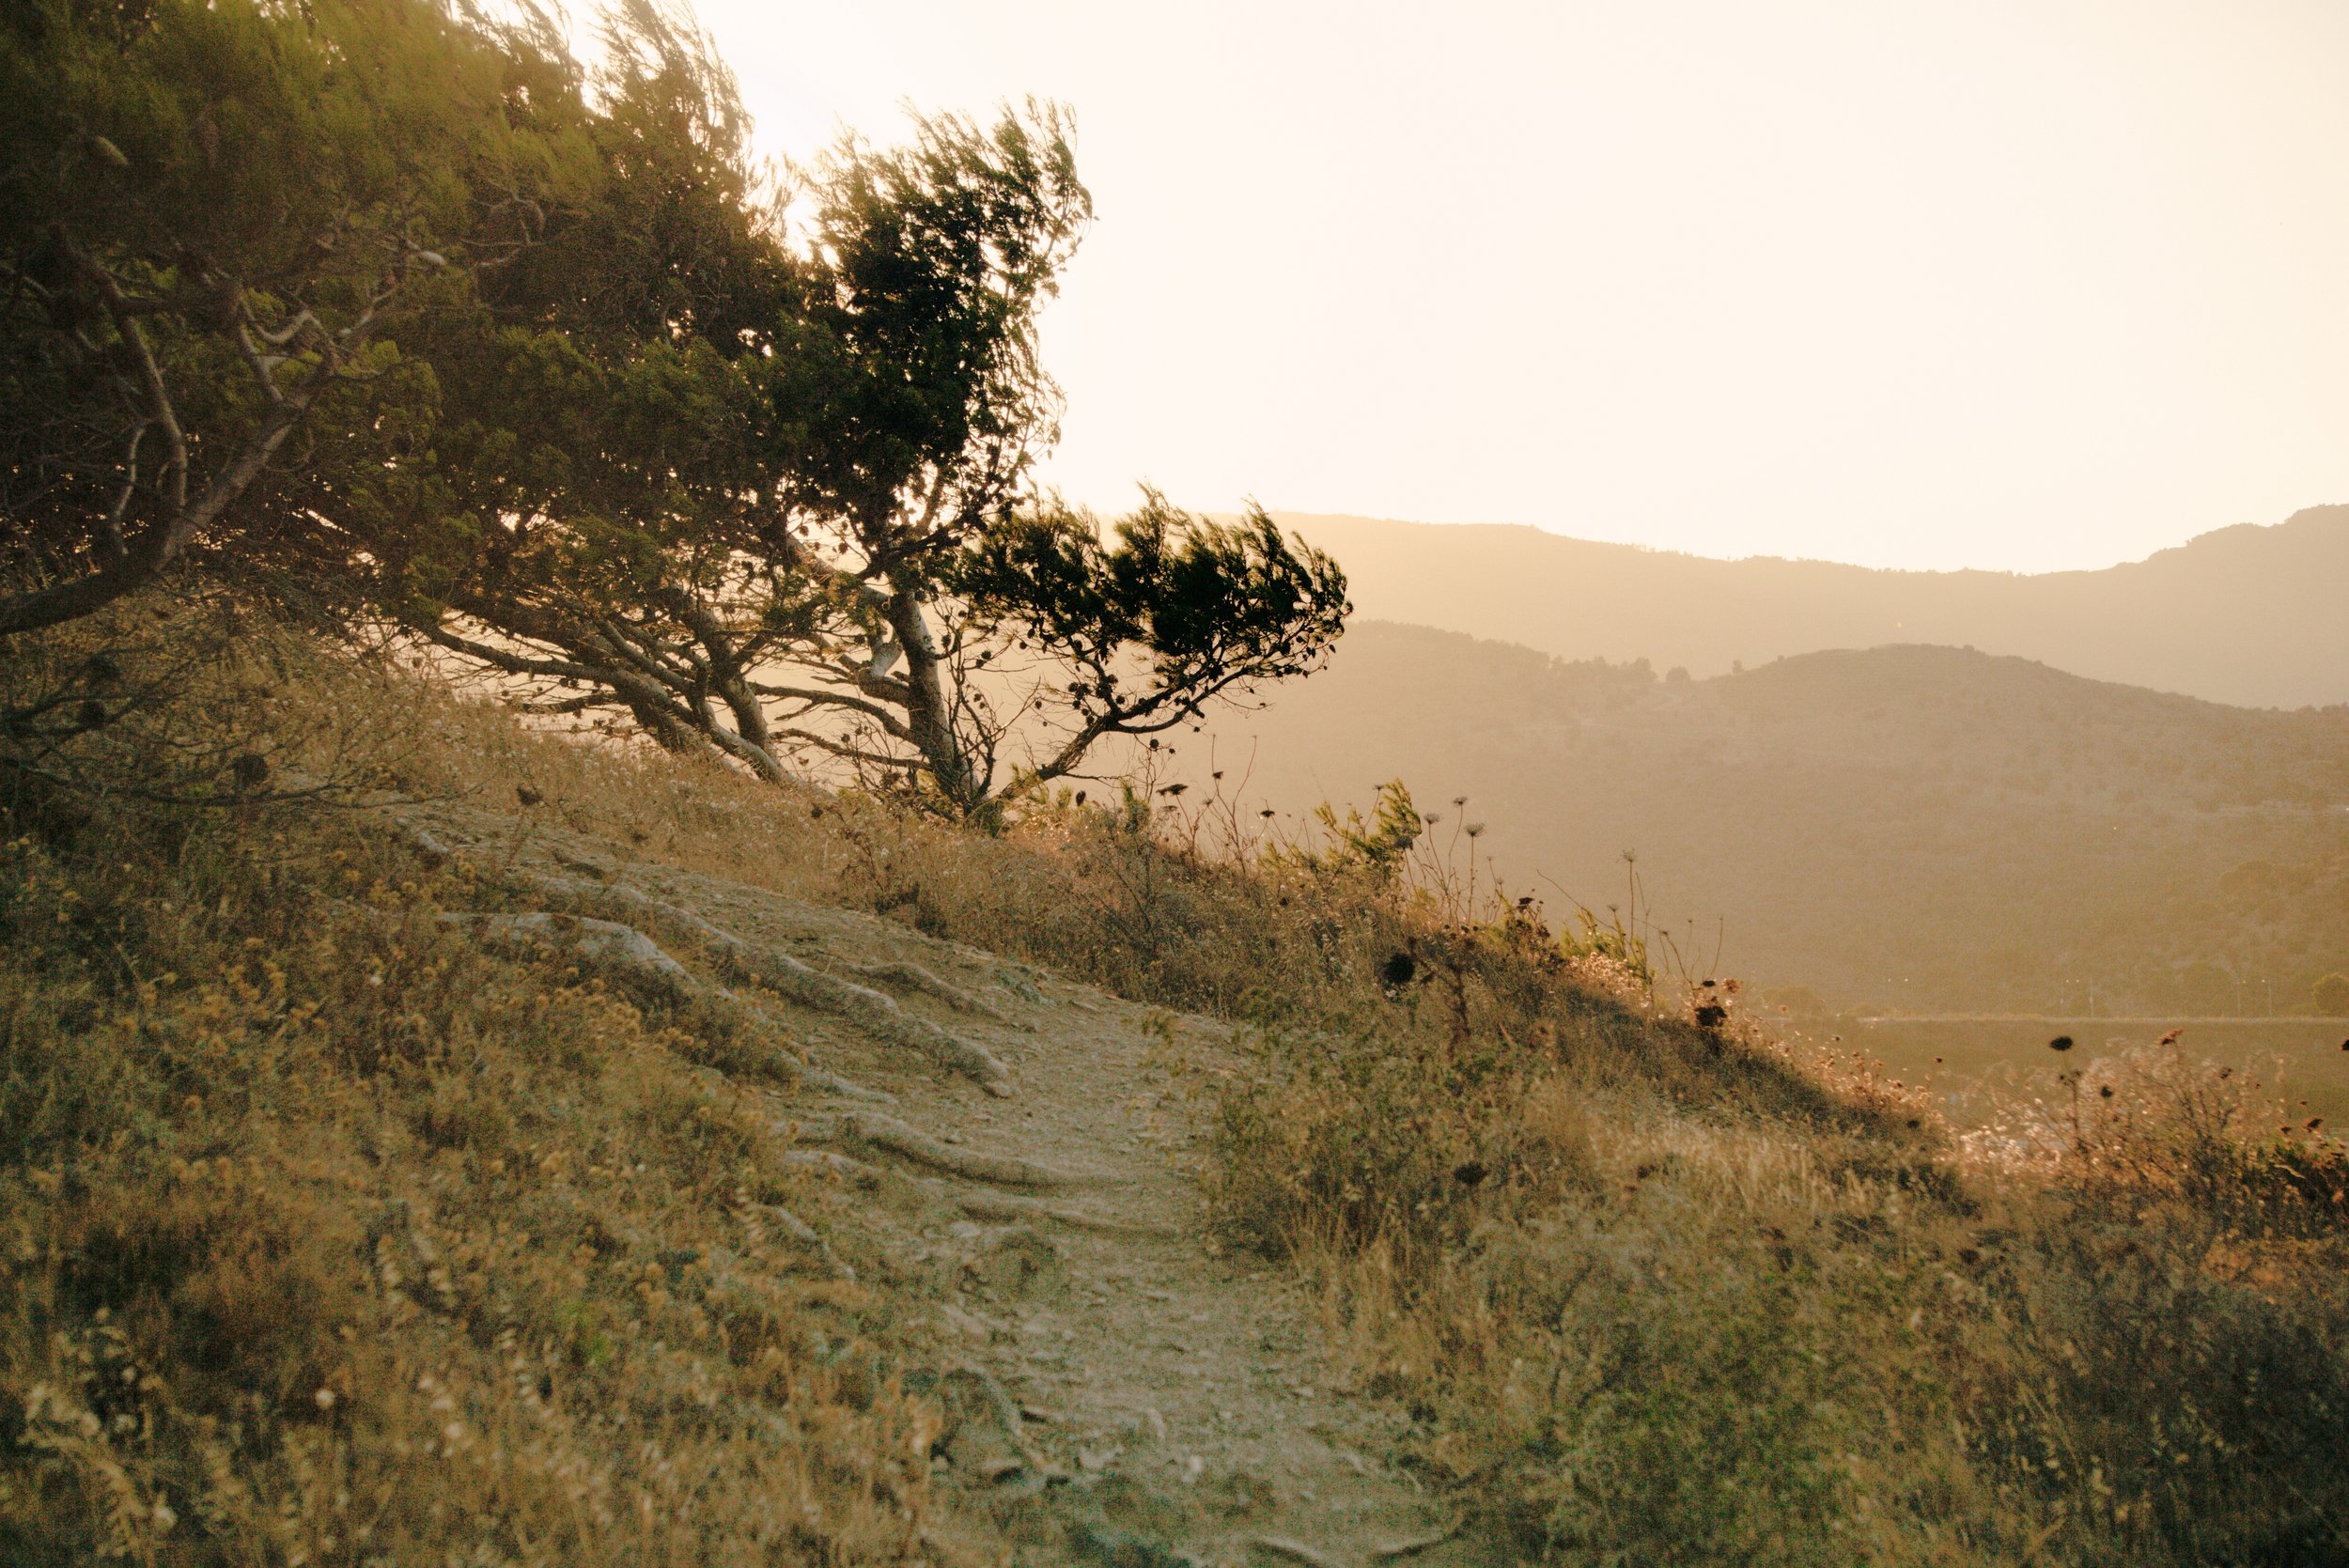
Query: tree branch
point(132, 565)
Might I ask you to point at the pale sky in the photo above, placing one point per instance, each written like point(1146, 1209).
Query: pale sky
point(2015, 284)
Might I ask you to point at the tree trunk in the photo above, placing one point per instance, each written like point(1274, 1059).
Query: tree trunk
point(930, 713)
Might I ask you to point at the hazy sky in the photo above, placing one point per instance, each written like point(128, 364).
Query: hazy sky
point(1927, 283)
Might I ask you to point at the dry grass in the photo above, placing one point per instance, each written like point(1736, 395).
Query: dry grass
point(328, 1236)
point(1660, 1293)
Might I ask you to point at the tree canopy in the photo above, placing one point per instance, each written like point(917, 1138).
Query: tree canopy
point(216, 223)
point(406, 317)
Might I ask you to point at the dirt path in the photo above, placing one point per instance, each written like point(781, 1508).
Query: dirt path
point(1158, 1405)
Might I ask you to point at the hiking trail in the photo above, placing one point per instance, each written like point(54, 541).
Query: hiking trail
point(1009, 1154)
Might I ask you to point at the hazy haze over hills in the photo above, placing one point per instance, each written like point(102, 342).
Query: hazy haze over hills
point(1921, 826)
point(2246, 614)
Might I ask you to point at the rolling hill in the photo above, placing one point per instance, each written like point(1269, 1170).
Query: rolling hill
point(2248, 615)
point(1908, 826)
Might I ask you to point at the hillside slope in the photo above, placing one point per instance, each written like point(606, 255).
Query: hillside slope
point(1906, 826)
point(504, 1148)
point(2246, 614)
point(433, 1215)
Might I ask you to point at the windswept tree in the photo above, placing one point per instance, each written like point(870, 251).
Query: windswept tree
point(388, 310)
point(812, 534)
point(1128, 637)
point(216, 220)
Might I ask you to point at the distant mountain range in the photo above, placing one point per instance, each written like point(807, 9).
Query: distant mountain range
point(2253, 615)
point(1906, 826)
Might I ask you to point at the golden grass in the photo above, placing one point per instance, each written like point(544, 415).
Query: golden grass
point(327, 1236)
point(1686, 1312)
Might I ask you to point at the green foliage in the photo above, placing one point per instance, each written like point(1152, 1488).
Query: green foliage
point(1380, 844)
point(219, 222)
point(794, 522)
point(1202, 608)
point(910, 364)
point(393, 310)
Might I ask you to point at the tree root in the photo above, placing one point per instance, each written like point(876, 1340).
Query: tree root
point(913, 977)
point(1417, 1544)
point(877, 1013)
point(832, 1083)
point(604, 943)
point(627, 952)
point(854, 1172)
point(887, 1132)
point(873, 1011)
point(1001, 1208)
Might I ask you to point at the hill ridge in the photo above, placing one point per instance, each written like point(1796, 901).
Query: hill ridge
point(2244, 614)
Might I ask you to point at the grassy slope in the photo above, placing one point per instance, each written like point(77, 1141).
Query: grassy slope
point(329, 1236)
